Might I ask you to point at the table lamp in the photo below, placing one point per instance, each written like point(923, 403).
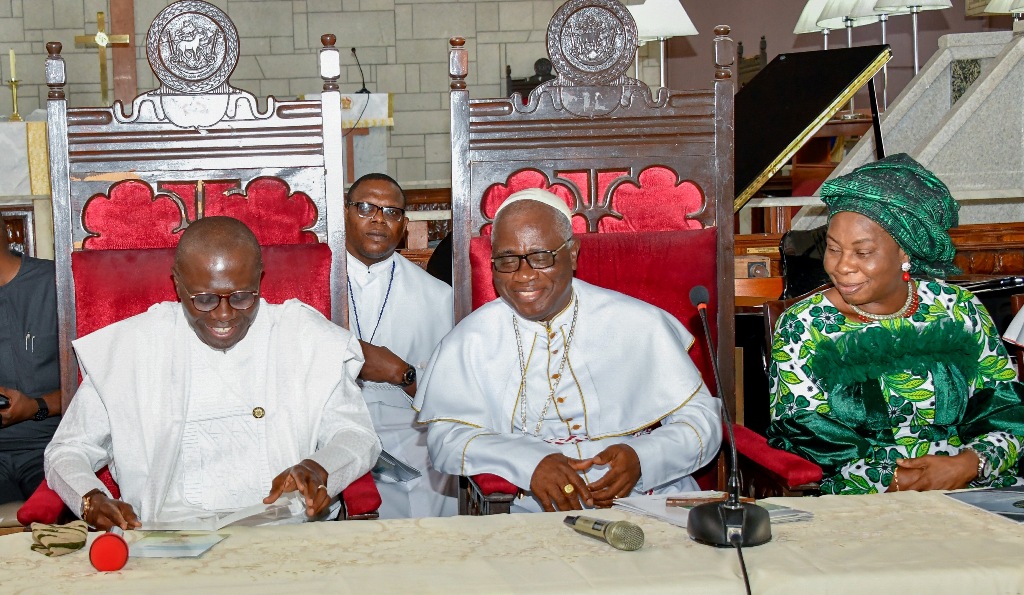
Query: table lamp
point(808, 21)
point(1014, 7)
point(837, 14)
point(866, 8)
point(913, 7)
point(660, 20)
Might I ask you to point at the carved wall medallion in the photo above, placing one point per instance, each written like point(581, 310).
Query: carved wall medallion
point(592, 42)
point(192, 47)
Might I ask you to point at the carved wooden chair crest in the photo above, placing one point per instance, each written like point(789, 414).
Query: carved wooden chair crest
point(648, 176)
point(125, 184)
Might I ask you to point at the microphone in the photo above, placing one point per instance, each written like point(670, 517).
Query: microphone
point(729, 523)
point(361, 75)
point(109, 551)
point(621, 535)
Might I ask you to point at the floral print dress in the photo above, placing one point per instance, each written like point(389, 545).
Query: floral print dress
point(905, 406)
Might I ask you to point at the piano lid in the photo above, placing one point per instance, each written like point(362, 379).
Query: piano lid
point(788, 101)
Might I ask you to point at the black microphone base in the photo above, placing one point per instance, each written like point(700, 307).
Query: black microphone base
point(363, 90)
point(713, 524)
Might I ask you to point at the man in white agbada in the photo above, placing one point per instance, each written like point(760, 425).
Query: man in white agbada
point(399, 313)
point(197, 407)
point(574, 393)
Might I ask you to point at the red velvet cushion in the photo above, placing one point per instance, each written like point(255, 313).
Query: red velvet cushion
point(111, 285)
point(492, 484)
point(361, 496)
point(657, 267)
point(794, 470)
point(45, 506)
point(654, 202)
point(270, 209)
point(521, 180)
point(130, 217)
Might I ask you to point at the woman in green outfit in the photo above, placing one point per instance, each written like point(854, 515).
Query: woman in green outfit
point(891, 382)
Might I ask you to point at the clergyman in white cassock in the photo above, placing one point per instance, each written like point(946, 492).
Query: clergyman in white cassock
point(400, 306)
point(556, 366)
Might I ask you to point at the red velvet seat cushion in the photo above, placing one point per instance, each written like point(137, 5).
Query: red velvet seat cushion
point(111, 285)
point(45, 506)
point(794, 470)
point(493, 484)
point(361, 496)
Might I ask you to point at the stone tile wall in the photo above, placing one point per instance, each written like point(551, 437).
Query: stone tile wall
point(402, 44)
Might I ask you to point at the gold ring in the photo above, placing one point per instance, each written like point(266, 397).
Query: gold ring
point(568, 489)
point(321, 487)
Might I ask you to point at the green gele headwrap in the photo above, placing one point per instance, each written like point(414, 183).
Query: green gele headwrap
point(909, 202)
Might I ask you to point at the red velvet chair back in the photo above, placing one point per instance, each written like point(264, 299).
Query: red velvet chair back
point(131, 180)
point(298, 271)
point(648, 177)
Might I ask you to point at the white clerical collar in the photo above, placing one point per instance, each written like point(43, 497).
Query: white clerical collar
point(362, 272)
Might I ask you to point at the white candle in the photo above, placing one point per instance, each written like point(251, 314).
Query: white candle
point(14, 75)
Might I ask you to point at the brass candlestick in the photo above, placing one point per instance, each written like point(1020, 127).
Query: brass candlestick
point(15, 117)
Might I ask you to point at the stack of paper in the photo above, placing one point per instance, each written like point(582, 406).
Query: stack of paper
point(289, 508)
point(675, 509)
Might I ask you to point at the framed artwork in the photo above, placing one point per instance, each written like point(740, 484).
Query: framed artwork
point(19, 223)
point(975, 8)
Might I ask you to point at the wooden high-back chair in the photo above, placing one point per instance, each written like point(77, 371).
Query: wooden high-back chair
point(125, 184)
point(648, 175)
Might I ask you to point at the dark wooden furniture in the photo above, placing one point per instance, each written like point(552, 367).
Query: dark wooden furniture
point(524, 86)
point(981, 249)
point(126, 183)
point(747, 68)
point(19, 225)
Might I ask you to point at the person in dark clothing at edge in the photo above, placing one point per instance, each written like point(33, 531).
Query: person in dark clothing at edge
point(30, 400)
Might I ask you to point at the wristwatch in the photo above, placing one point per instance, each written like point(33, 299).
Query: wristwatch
point(409, 378)
point(43, 412)
point(984, 465)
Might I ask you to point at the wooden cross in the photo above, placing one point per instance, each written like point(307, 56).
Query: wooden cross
point(102, 40)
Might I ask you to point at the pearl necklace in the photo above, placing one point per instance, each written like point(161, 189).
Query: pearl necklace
point(558, 376)
point(904, 311)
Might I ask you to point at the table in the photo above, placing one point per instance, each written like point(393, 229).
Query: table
point(890, 543)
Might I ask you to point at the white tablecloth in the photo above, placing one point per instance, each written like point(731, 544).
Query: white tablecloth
point(898, 543)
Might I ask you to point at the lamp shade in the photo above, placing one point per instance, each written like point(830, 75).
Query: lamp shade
point(891, 6)
point(867, 8)
point(656, 19)
point(1018, 7)
point(808, 21)
point(1003, 6)
point(837, 13)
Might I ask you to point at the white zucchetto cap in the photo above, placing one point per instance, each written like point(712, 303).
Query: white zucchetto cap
point(541, 196)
